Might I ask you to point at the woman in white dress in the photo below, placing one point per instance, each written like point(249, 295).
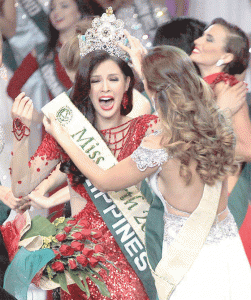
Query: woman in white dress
point(187, 163)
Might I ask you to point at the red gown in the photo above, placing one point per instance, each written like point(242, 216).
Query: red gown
point(123, 283)
point(245, 229)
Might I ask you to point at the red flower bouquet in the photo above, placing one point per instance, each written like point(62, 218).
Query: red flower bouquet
point(78, 254)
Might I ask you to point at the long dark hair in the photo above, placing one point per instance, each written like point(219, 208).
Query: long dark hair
point(238, 44)
point(85, 7)
point(80, 96)
point(180, 32)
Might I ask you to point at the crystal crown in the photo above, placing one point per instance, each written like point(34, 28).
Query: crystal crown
point(105, 34)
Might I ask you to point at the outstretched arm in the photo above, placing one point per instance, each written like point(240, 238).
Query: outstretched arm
point(113, 179)
point(39, 201)
point(37, 197)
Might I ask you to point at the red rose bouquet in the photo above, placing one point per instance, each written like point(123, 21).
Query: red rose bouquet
point(78, 254)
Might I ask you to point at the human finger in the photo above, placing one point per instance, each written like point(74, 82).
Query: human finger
point(46, 122)
point(239, 88)
point(21, 106)
point(16, 103)
point(23, 208)
point(27, 107)
point(135, 43)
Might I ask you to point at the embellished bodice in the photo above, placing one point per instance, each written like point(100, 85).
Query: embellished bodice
point(124, 139)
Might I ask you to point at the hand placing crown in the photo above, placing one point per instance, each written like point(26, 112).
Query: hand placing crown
point(105, 34)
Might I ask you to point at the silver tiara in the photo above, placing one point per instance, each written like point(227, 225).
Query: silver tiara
point(105, 33)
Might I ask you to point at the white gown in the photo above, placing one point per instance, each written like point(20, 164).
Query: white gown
point(221, 271)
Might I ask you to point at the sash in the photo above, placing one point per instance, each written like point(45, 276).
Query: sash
point(169, 270)
point(238, 200)
point(48, 71)
point(124, 212)
point(35, 11)
point(8, 56)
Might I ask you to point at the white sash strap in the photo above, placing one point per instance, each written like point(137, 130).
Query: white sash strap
point(186, 247)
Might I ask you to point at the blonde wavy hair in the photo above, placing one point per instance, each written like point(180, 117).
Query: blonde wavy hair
point(69, 54)
point(194, 127)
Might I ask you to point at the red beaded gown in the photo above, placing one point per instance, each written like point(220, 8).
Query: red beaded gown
point(123, 141)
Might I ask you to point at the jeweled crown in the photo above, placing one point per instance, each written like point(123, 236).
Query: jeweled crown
point(105, 34)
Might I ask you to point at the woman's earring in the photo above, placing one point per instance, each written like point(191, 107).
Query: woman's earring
point(125, 100)
point(220, 62)
point(3, 72)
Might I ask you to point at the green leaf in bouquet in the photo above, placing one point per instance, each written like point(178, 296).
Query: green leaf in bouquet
point(61, 279)
point(77, 280)
point(83, 276)
point(112, 263)
point(92, 271)
point(40, 226)
point(101, 286)
point(104, 267)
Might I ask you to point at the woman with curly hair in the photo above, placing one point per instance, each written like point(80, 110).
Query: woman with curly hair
point(187, 164)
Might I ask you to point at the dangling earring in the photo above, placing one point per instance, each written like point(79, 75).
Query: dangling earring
point(3, 72)
point(125, 100)
point(220, 62)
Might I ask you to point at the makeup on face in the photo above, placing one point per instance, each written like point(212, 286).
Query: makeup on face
point(209, 48)
point(64, 14)
point(108, 85)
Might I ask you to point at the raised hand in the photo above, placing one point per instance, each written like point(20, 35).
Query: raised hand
point(22, 108)
point(136, 52)
point(232, 98)
point(21, 113)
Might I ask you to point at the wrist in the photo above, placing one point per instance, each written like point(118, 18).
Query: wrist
point(7, 196)
point(20, 130)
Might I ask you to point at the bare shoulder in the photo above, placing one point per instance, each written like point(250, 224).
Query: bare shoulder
point(152, 141)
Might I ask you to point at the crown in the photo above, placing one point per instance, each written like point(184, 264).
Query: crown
point(105, 33)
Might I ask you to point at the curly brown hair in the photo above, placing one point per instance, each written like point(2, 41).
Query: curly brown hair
point(193, 126)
